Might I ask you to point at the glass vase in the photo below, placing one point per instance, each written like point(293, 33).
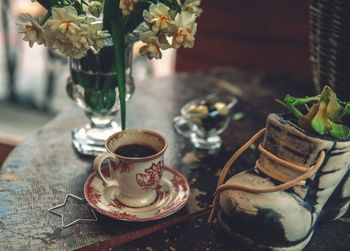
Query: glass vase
point(93, 86)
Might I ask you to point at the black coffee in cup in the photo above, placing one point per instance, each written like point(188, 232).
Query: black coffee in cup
point(135, 151)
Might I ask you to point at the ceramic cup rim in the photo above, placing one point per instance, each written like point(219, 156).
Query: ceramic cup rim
point(139, 130)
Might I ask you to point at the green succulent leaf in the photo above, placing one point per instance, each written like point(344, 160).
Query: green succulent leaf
point(325, 94)
point(290, 100)
point(346, 110)
point(334, 109)
point(291, 108)
point(339, 131)
point(324, 116)
point(321, 123)
point(319, 126)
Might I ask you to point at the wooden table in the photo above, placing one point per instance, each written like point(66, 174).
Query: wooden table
point(39, 173)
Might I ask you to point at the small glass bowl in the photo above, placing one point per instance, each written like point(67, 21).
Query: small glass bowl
point(204, 119)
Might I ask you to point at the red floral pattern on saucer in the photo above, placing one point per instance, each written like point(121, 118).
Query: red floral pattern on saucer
point(172, 195)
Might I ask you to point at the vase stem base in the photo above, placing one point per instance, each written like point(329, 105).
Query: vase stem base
point(88, 140)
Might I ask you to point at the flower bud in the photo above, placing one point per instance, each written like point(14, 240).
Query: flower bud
point(95, 8)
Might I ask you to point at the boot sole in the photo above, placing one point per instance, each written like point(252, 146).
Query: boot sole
point(261, 247)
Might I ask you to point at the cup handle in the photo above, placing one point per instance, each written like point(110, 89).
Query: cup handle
point(181, 126)
point(98, 163)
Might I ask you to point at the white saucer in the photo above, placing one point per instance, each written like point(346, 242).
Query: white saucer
point(172, 194)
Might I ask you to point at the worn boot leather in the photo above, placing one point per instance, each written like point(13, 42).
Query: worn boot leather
point(285, 220)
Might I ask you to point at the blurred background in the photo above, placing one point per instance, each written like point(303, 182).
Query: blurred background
point(269, 35)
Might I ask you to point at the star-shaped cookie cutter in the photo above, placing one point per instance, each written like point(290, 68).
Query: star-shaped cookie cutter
point(75, 221)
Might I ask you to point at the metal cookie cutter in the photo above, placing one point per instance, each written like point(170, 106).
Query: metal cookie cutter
point(75, 221)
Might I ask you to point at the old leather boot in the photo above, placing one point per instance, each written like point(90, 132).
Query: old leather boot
point(298, 181)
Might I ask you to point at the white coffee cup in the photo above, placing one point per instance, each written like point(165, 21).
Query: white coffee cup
point(134, 178)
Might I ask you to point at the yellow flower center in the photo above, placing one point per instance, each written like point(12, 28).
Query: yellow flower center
point(69, 27)
point(129, 4)
point(32, 29)
point(29, 27)
point(162, 21)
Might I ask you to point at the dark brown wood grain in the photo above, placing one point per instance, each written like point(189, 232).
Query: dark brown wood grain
point(41, 171)
point(196, 235)
point(136, 234)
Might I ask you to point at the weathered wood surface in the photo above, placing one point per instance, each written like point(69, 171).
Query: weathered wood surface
point(40, 172)
point(196, 235)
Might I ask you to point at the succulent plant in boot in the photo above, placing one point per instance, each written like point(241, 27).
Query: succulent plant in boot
point(302, 177)
point(324, 113)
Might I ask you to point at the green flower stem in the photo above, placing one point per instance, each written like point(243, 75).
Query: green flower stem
point(113, 21)
point(296, 112)
point(290, 100)
point(303, 101)
point(292, 108)
point(107, 15)
point(45, 18)
point(119, 49)
point(176, 5)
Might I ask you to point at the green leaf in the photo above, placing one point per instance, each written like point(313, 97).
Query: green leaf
point(99, 100)
point(108, 13)
point(340, 131)
point(291, 108)
point(117, 32)
point(176, 5)
point(346, 110)
point(333, 107)
point(325, 111)
point(290, 100)
point(321, 123)
point(319, 126)
point(325, 94)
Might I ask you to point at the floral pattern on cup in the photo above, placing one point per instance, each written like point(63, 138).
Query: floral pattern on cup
point(133, 180)
point(151, 176)
point(122, 167)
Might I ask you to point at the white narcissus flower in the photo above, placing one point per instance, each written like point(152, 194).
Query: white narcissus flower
point(151, 50)
point(186, 29)
point(65, 20)
point(159, 17)
point(95, 36)
point(159, 38)
point(127, 6)
point(153, 44)
point(71, 34)
point(32, 30)
point(192, 6)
